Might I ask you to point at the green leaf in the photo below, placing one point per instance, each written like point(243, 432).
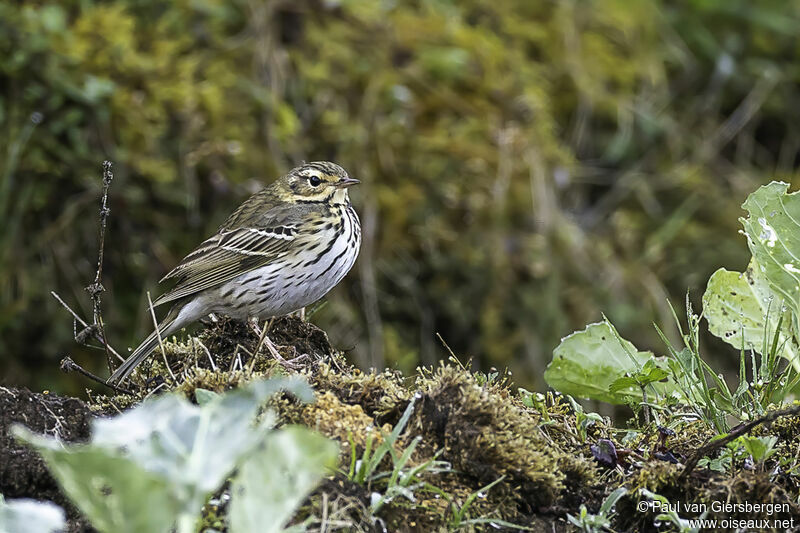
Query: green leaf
point(739, 306)
point(30, 516)
point(277, 477)
point(773, 235)
point(110, 490)
point(204, 396)
point(759, 448)
point(622, 383)
point(194, 446)
point(611, 500)
point(654, 375)
point(589, 361)
point(165, 456)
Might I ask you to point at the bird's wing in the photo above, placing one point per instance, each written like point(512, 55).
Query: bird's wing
point(231, 252)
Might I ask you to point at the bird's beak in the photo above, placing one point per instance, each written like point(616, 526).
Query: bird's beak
point(347, 182)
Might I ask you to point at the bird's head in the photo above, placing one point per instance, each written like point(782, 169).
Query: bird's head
point(318, 181)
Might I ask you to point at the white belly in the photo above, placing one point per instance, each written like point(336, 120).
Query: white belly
point(282, 287)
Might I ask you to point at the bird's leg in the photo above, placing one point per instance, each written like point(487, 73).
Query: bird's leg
point(264, 340)
point(253, 323)
point(302, 314)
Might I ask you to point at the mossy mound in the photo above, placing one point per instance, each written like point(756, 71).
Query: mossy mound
point(541, 458)
point(719, 496)
point(487, 434)
point(478, 426)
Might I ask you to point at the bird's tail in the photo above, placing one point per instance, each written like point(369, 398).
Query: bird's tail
point(166, 327)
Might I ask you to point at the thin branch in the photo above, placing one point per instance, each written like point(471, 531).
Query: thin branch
point(68, 365)
point(87, 329)
point(736, 432)
point(96, 289)
point(208, 353)
point(237, 359)
point(156, 389)
point(160, 342)
point(447, 347)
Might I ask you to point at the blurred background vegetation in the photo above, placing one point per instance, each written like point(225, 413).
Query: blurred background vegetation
point(527, 164)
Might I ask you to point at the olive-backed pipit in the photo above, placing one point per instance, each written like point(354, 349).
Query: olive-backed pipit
point(281, 250)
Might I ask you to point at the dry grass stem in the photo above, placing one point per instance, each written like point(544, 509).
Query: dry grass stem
point(160, 341)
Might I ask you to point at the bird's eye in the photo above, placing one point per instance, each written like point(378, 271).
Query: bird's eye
point(314, 181)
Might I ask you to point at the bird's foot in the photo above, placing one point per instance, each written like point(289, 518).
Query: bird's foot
point(265, 342)
point(294, 363)
point(252, 322)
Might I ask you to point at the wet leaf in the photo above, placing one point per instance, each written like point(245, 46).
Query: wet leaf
point(739, 305)
point(605, 452)
point(277, 477)
point(773, 235)
point(589, 362)
point(165, 456)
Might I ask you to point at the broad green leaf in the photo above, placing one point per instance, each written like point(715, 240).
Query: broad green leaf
point(165, 456)
point(111, 491)
point(30, 516)
point(192, 446)
point(740, 307)
point(773, 235)
point(589, 361)
point(277, 477)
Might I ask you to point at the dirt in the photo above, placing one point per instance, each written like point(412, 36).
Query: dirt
point(23, 473)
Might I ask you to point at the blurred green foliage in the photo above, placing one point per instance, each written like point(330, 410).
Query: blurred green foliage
point(525, 164)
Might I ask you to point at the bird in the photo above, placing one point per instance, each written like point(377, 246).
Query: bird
point(283, 249)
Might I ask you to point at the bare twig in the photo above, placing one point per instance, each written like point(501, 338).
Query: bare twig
point(208, 353)
point(736, 432)
point(160, 342)
point(234, 357)
point(156, 389)
point(68, 365)
point(263, 338)
point(87, 329)
point(237, 360)
point(446, 346)
point(323, 525)
point(96, 289)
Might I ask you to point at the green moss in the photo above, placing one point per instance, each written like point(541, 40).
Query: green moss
point(382, 394)
point(688, 438)
point(476, 422)
point(486, 436)
point(334, 419)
